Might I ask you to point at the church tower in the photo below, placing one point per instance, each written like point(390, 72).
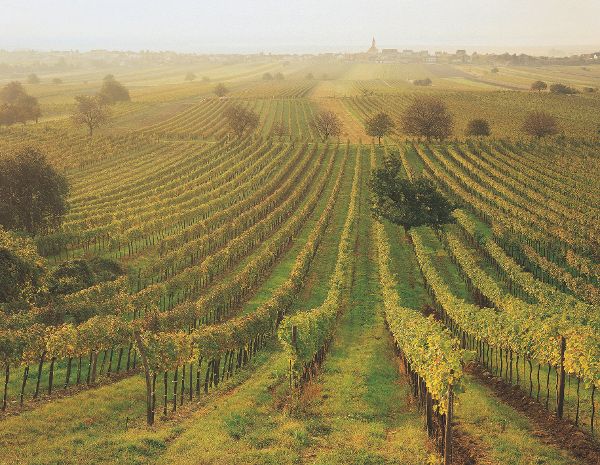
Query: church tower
point(373, 49)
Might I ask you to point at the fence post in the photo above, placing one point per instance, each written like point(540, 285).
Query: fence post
point(448, 438)
point(561, 385)
point(294, 339)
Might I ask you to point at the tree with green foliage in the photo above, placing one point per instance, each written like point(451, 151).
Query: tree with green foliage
point(22, 270)
point(221, 90)
point(57, 81)
point(33, 195)
point(91, 111)
point(190, 76)
point(379, 125)
point(113, 91)
point(427, 117)
point(205, 79)
point(267, 77)
point(539, 86)
point(240, 119)
point(404, 202)
point(309, 76)
point(540, 124)
point(478, 127)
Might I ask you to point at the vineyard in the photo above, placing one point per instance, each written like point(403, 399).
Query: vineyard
point(264, 314)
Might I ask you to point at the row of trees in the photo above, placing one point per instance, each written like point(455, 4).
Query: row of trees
point(429, 117)
point(425, 117)
point(539, 86)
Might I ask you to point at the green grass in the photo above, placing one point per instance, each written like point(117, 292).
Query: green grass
point(361, 402)
point(506, 435)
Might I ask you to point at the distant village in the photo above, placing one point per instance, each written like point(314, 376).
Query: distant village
point(394, 55)
point(16, 63)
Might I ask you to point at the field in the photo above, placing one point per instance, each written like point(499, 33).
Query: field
point(288, 325)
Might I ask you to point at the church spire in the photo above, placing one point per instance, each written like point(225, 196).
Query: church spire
point(373, 48)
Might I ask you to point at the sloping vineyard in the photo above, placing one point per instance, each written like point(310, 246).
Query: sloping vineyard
point(253, 275)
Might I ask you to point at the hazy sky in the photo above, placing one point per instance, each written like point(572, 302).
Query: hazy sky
point(298, 26)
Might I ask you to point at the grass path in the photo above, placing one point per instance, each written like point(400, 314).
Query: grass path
point(360, 401)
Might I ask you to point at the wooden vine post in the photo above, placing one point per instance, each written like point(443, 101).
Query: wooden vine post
point(294, 341)
point(149, 394)
point(448, 429)
point(561, 381)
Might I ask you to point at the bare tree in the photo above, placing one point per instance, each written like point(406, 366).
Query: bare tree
point(327, 124)
point(91, 111)
point(427, 117)
point(540, 124)
point(240, 119)
point(379, 125)
point(221, 90)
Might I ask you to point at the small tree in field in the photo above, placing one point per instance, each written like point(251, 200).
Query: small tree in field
point(205, 79)
point(267, 77)
point(279, 129)
point(240, 119)
point(427, 117)
point(221, 90)
point(113, 91)
point(379, 125)
point(190, 76)
point(327, 124)
point(91, 111)
point(478, 127)
point(279, 77)
point(540, 124)
point(539, 86)
point(404, 202)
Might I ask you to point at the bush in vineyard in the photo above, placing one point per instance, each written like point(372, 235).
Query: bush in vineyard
point(22, 270)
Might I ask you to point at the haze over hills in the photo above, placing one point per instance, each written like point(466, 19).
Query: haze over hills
point(309, 26)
